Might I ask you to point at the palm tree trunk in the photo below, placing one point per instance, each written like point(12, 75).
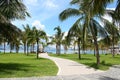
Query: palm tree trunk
point(37, 49)
point(97, 50)
point(33, 47)
point(96, 45)
point(17, 49)
point(79, 55)
point(24, 48)
point(94, 52)
point(74, 47)
point(57, 51)
point(10, 48)
point(113, 53)
point(4, 47)
point(59, 48)
point(65, 49)
point(27, 49)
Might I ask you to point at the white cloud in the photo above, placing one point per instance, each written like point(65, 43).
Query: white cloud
point(31, 2)
point(65, 34)
point(38, 25)
point(106, 16)
point(110, 8)
point(49, 4)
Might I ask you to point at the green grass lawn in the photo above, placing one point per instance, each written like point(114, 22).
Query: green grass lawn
point(90, 60)
point(20, 65)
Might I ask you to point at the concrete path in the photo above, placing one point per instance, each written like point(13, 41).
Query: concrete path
point(69, 67)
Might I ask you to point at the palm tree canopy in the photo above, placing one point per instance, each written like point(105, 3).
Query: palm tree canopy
point(13, 9)
point(9, 31)
point(59, 35)
point(117, 10)
point(68, 13)
point(93, 6)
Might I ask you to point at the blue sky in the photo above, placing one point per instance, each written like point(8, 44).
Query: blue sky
point(45, 15)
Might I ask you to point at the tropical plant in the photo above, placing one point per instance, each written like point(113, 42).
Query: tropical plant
point(87, 11)
point(37, 35)
point(57, 39)
point(76, 32)
point(25, 37)
point(113, 34)
point(11, 10)
point(66, 44)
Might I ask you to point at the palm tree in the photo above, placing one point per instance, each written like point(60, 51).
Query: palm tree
point(87, 11)
point(66, 44)
point(4, 42)
point(76, 31)
point(105, 43)
point(37, 35)
point(13, 9)
point(113, 33)
point(58, 39)
point(25, 37)
point(17, 45)
point(32, 41)
point(117, 12)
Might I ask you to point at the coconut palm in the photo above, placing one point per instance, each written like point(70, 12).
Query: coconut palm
point(31, 41)
point(13, 9)
point(88, 10)
point(104, 43)
point(58, 39)
point(117, 11)
point(76, 31)
point(66, 44)
point(37, 35)
point(113, 33)
point(10, 10)
point(25, 37)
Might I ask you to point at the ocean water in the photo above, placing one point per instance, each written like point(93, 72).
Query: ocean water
point(51, 50)
point(69, 51)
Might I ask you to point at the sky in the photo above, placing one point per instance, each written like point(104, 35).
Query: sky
point(45, 15)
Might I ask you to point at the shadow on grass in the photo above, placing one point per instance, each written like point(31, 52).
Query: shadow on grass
point(86, 59)
point(40, 58)
point(102, 64)
point(9, 68)
point(116, 66)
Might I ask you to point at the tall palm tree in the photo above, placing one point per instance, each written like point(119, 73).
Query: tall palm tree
point(31, 39)
point(66, 44)
point(88, 10)
point(13, 9)
point(117, 11)
point(37, 35)
point(17, 45)
point(76, 31)
point(113, 33)
point(58, 39)
point(25, 37)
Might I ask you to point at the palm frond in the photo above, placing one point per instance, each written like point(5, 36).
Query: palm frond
point(98, 29)
point(76, 1)
point(69, 13)
point(13, 9)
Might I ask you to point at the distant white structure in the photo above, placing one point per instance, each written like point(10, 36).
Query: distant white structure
point(116, 49)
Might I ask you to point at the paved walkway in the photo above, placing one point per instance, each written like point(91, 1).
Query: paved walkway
point(69, 67)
